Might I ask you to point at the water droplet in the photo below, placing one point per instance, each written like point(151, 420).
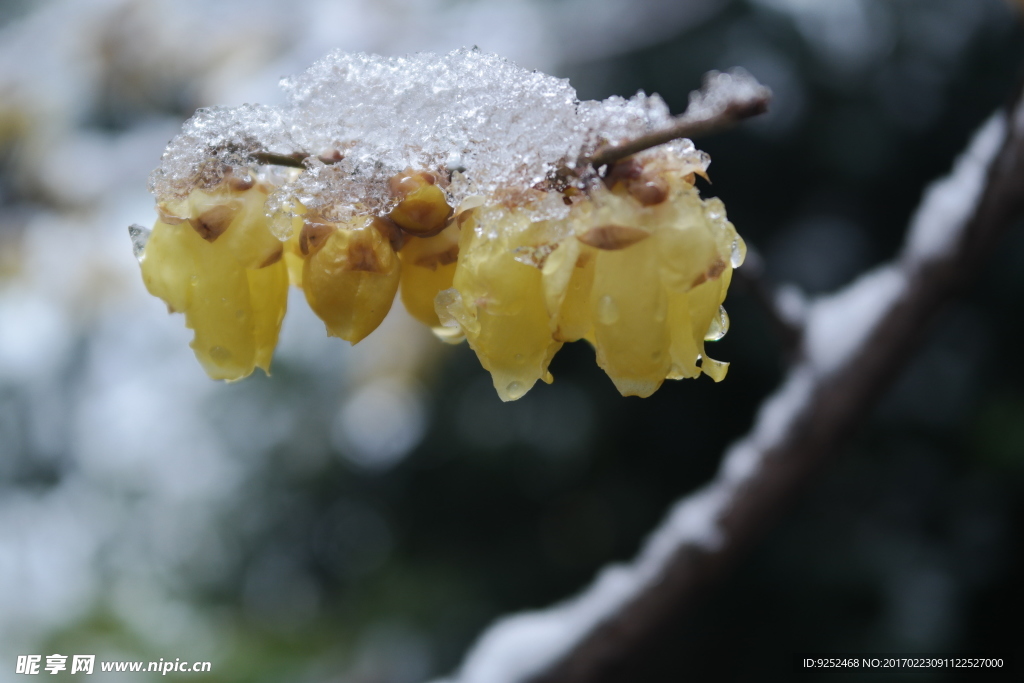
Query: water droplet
point(719, 326)
point(515, 390)
point(239, 314)
point(220, 353)
point(738, 252)
point(519, 357)
point(607, 310)
point(139, 236)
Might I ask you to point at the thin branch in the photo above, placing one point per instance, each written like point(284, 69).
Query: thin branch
point(289, 160)
point(854, 344)
point(295, 159)
point(724, 100)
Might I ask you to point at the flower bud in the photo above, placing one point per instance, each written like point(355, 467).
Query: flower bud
point(422, 209)
point(350, 276)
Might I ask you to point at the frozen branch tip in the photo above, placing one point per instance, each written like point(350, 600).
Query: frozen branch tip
point(502, 209)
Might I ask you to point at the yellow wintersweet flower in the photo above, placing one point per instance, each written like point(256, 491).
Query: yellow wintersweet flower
point(496, 202)
point(640, 270)
point(498, 300)
point(661, 276)
point(639, 266)
point(350, 276)
point(217, 262)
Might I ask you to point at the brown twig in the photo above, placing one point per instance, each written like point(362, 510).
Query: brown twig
point(294, 160)
point(289, 160)
point(723, 101)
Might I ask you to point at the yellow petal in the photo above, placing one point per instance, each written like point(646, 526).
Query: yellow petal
point(428, 266)
point(688, 249)
point(246, 235)
point(226, 276)
point(350, 283)
point(683, 350)
point(568, 276)
point(705, 301)
point(268, 292)
point(168, 266)
point(501, 304)
point(630, 308)
point(220, 311)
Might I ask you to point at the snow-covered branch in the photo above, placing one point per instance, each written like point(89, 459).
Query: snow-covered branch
point(724, 100)
point(854, 343)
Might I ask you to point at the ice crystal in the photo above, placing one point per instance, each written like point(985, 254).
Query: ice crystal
point(495, 126)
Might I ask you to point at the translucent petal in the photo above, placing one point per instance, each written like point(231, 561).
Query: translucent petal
point(168, 266)
point(350, 283)
point(683, 350)
point(502, 306)
point(687, 246)
point(428, 267)
point(630, 308)
point(235, 310)
point(268, 292)
point(247, 236)
point(293, 260)
point(568, 276)
point(220, 312)
point(715, 369)
point(705, 303)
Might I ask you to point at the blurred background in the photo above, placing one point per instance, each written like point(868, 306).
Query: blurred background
point(361, 515)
